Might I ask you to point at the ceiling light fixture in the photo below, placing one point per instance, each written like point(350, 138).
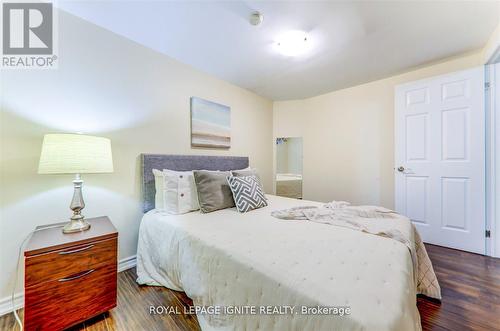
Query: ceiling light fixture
point(293, 43)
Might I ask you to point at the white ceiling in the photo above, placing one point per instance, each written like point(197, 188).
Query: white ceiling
point(354, 42)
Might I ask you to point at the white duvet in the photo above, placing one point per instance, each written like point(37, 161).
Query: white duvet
point(229, 259)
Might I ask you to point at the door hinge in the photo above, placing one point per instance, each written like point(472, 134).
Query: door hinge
point(487, 85)
point(487, 233)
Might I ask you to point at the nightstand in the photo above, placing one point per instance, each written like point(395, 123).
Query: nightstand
point(69, 278)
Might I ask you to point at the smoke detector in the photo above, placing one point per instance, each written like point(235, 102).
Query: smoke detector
point(256, 18)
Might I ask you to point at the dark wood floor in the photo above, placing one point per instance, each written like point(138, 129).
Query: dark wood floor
point(470, 286)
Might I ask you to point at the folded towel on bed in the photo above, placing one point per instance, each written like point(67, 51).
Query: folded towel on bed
point(377, 221)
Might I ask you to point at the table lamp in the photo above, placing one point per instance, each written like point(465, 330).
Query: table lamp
point(75, 154)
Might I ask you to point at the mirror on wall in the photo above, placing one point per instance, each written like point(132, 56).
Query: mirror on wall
point(289, 167)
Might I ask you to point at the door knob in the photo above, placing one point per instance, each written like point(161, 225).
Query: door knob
point(401, 169)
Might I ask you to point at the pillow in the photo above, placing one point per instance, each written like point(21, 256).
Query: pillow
point(181, 192)
point(244, 169)
point(175, 191)
point(245, 172)
point(247, 193)
point(159, 185)
point(213, 190)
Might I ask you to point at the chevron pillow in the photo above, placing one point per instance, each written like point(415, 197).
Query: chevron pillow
point(247, 193)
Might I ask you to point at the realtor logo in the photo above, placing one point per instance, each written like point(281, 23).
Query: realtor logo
point(28, 35)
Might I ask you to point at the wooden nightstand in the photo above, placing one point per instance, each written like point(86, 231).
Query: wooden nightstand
point(69, 278)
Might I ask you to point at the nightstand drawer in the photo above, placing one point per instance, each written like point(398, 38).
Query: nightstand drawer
point(60, 303)
point(69, 261)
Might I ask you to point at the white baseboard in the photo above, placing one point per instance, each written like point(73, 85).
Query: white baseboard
point(6, 303)
point(127, 263)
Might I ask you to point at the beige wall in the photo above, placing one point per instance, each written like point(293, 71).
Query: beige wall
point(109, 86)
point(349, 136)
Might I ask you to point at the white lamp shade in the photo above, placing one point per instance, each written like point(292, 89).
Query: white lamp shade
point(75, 154)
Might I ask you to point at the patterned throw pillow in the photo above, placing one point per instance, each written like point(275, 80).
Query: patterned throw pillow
point(247, 193)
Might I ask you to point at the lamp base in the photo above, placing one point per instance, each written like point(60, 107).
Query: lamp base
point(77, 222)
point(76, 226)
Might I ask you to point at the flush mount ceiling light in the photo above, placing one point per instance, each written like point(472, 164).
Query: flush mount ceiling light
point(293, 43)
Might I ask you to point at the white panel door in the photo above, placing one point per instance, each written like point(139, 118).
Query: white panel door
point(440, 166)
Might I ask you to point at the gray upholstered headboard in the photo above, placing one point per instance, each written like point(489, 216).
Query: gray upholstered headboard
point(182, 163)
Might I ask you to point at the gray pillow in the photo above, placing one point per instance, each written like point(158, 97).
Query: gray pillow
point(245, 172)
point(213, 190)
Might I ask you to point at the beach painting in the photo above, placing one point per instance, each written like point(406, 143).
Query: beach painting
point(210, 124)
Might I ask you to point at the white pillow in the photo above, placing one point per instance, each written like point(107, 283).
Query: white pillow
point(175, 191)
point(159, 185)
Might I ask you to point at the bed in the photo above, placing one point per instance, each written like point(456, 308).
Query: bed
point(289, 185)
point(228, 259)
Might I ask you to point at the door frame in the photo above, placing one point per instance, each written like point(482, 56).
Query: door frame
point(492, 103)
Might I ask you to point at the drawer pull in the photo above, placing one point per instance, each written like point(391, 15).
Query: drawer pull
point(77, 276)
point(77, 250)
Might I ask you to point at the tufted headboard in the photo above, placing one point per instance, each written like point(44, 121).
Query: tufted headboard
point(182, 163)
